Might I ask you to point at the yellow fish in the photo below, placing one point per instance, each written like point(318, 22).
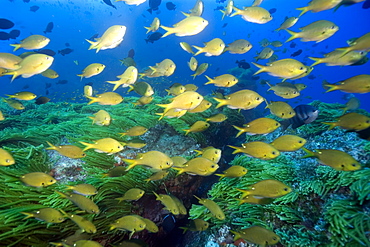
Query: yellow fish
point(32, 42)
point(128, 77)
point(257, 235)
point(257, 149)
point(198, 166)
point(355, 84)
point(259, 126)
point(193, 64)
point(243, 99)
point(360, 44)
point(179, 204)
point(6, 159)
point(111, 38)
point(154, 159)
point(172, 113)
point(69, 151)
point(49, 215)
point(130, 223)
point(144, 100)
point(196, 225)
point(239, 46)
point(105, 145)
point(178, 161)
point(9, 61)
point(253, 14)
point(186, 47)
point(88, 91)
point(266, 53)
point(117, 171)
point(165, 68)
point(101, 118)
point(215, 47)
point(37, 179)
point(203, 106)
point(22, 96)
point(281, 109)
point(135, 131)
point(15, 104)
point(154, 26)
point(157, 176)
point(149, 225)
point(336, 159)
point(211, 153)
point(189, 26)
point(86, 243)
point(288, 143)
point(225, 80)
point(168, 202)
point(198, 126)
point(218, 118)
point(318, 5)
point(335, 58)
point(84, 224)
point(142, 88)
point(2, 118)
point(255, 200)
point(133, 194)
point(91, 70)
point(197, 10)
point(31, 65)
point(176, 89)
point(185, 101)
point(108, 98)
point(268, 188)
point(233, 172)
point(316, 31)
point(200, 70)
point(284, 68)
point(288, 23)
point(191, 87)
point(83, 189)
point(135, 144)
point(215, 210)
point(285, 90)
point(84, 203)
point(351, 121)
point(49, 73)
point(228, 9)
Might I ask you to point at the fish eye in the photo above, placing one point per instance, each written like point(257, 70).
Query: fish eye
point(168, 163)
point(258, 98)
point(286, 189)
point(43, 184)
point(323, 32)
point(212, 166)
point(273, 152)
point(300, 141)
point(83, 155)
point(282, 114)
point(301, 68)
point(354, 165)
point(333, 27)
point(7, 160)
point(51, 180)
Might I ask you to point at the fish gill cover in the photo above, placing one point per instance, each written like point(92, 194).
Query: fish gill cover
point(270, 96)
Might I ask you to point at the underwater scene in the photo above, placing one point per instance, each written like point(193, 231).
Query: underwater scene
point(184, 123)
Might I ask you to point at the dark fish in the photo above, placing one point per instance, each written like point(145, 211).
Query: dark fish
point(42, 100)
point(168, 223)
point(292, 45)
point(4, 36)
point(224, 25)
point(94, 36)
point(47, 85)
point(65, 51)
point(311, 77)
point(243, 64)
point(26, 86)
point(220, 1)
point(26, 1)
point(153, 5)
point(170, 6)
point(109, 3)
point(14, 34)
point(154, 37)
point(273, 10)
point(296, 53)
point(6, 24)
point(49, 27)
point(305, 114)
point(366, 4)
point(46, 52)
point(34, 8)
point(131, 53)
point(62, 82)
point(67, 44)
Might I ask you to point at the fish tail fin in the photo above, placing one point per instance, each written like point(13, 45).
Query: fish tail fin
point(223, 14)
point(220, 175)
point(81, 76)
point(237, 149)
point(187, 131)
point(183, 228)
point(186, 14)
point(194, 75)
point(245, 192)
point(16, 46)
point(165, 106)
point(162, 115)
point(198, 152)
point(131, 88)
point(61, 194)
point(131, 163)
point(294, 35)
point(332, 87)
point(303, 10)
point(179, 170)
point(28, 215)
point(278, 29)
point(169, 31)
point(13, 73)
point(93, 44)
point(237, 11)
point(237, 235)
point(52, 147)
point(9, 96)
point(331, 124)
point(200, 50)
point(316, 59)
point(241, 130)
point(123, 134)
point(92, 99)
point(210, 81)
point(148, 29)
point(309, 153)
point(88, 146)
point(261, 68)
point(154, 69)
point(257, 58)
point(221, 102)
point(69, 187)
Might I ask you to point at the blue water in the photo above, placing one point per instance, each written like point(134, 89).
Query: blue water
point(75, 21)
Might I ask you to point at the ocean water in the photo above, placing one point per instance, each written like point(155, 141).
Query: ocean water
point(75, 21)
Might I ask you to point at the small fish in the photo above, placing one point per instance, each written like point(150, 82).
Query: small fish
point(37, 179)
point(51, 74)
point(83, 189)
point(170, 6)
point(281, 109)
point(259, 126)
point(215, 210)
point(49, 27)
point(257, 235)
point(191, 87)
point(178, 161)
point(154, 5)
point(186, 47)
point(34, 8)
point(154, 159)
point(130, 223)
point(285, 90)
point(168, 202)
point(14, 34)
point(193, 64)
point(105, 145)
point(318, 5)
point(135, 131)
point(239, 46)
point(200, 70)
point(196, 225)
point(352, 104)
point(49, 215)
point(243, 64)
point(288, 23)
point(6, 24)
point(110, 39)
point(9, 61)
point(32, 42)
point(153, 37)
point(253, 14)
point(257, 149)
point(109, 3)
point(305, 114)
point(189, 26)
point(84, 203)
point(198, 166)
point(185, 101)
point(69, 151)
point(117, 171)
point(149, 225)
point(268, 188)
point(6, 159)
point(288, 143)
point(144, 100)
point(355, 84)
point(133, 194)
point(108, 98)
point(84, 224)
point(284, 68)
point(42, 100)
point(142, 88)
point(243, 99)
point(336, 58)
point(297, 53)
point(15, 104)
point(218, 118)
point(22, 96)
point(203, 106)
point(101, 118)
point(65, 51)
point(350, 121)
point(211, 153)
point(154, 26)
point(316, 31)
point(157, 176)
point(225, 80)
point(215, 47)
point(92, 70)
point(233, 172)
point(336, 159)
